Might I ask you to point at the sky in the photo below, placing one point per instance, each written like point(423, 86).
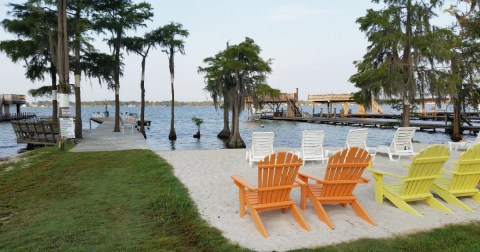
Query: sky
point(313, 45)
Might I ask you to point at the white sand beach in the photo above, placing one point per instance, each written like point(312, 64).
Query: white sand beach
point(206, 174)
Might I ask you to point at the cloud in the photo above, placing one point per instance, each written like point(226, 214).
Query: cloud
point(293, 13)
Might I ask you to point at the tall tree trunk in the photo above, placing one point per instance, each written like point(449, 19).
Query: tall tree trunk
point(117, 109)
point(62, 55)
point(78, 72)
point(225, 133)
point(236, 141)
point(142, 106)
point(116, 77)
point(53, 75)
point(407, 68)
point(455, 135)
point(172, 136)
point(406, 114)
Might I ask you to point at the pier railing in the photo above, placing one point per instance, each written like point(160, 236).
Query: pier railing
point(16, 116)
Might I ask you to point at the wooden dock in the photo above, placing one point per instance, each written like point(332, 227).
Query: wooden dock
point(103, 138)
point(376, 123)
point(6, 117)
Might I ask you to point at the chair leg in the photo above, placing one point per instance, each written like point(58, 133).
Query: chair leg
point(450, 198)
point(303, 193)
point(241, 201)
point(436, 204)
point(476, 197)
point(258, 222)
point(378, 187)
point(299, 218)
point(322, 215)
point(401, 204)
point(358, 208)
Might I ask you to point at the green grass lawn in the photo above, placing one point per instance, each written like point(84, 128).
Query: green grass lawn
point(130, 200)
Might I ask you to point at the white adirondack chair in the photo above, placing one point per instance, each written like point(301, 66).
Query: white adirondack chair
point(401, 144)
point(262, 145)
point(463, 145)
point(358, 138)
point(312, 146)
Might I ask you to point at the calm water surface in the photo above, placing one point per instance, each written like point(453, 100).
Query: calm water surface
point(287, 134)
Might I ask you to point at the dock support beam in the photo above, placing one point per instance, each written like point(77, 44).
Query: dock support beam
point(18, 109)
point(345, 108)
point(6, 108)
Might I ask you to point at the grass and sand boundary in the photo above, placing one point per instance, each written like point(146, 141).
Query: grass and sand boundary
point(131, 200)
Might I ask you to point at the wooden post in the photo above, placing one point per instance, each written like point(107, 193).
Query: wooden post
point(334, 112)
point(345, 108)
point(313, 108)
point(321, 114)
point(329, 109)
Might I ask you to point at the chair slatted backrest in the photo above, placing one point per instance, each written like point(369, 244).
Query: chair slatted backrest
point(276, 174)
point(467, 170)
point(262, 143)
point(346, 167)
point(312, 143)
point(357, 138)
point(402, 141)
point(424, 169)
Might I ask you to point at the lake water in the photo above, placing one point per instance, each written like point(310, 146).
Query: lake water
point(287, 134)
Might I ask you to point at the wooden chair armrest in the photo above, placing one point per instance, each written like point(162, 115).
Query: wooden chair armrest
point(384, 173)
point(300, 182)
point(240, 181)
point(366, 180)
point(309, 176)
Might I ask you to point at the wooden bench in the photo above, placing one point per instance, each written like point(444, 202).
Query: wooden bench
point(36, 132)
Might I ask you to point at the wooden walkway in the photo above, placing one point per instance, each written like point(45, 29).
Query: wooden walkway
point(368, 122)
point(103, 138)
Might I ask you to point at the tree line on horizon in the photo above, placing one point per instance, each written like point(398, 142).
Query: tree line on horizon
point(110, 103)
point(54, 38)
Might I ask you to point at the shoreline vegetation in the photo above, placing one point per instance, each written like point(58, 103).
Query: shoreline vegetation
point(111, 103)
point(131, 200)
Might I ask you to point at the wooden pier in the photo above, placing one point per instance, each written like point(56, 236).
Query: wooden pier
point(103, 138)
point(376, 123)
point(12, 99)
point(14, 116)
point(290, 99)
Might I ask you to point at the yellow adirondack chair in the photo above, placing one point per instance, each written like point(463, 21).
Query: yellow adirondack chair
point(463, 181)
point(424, 169)
point(344, 172)
point(276, 176)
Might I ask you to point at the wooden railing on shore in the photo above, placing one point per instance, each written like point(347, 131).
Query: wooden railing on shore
point(4, 117)
point(36, 132)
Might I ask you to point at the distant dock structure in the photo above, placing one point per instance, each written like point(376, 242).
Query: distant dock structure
point(6, 100)
point(274, 103)
point(331, 99)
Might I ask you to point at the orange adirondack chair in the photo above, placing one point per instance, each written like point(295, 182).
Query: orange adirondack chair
point(276, 176)
point(344, 172)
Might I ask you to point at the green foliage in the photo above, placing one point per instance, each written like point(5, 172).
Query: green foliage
point(197, 121)
point(41, 91)
point(406, 56)
point(35, 29)
point(233, 74)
